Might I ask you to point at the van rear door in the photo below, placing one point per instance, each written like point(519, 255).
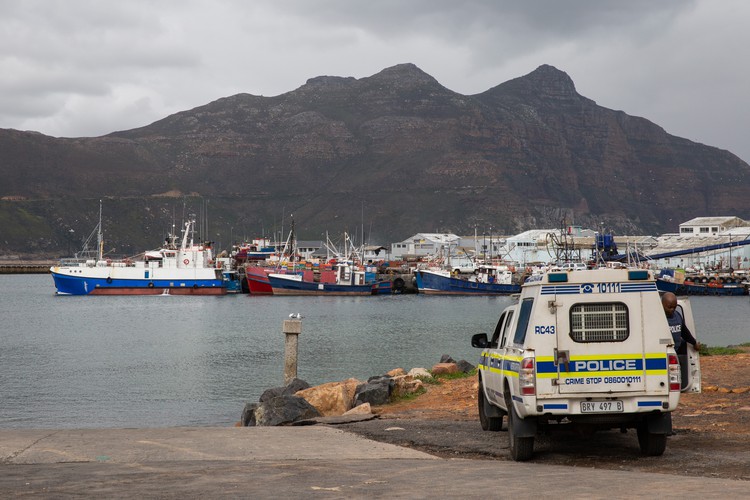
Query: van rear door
point(599, 340)
point(690, 365)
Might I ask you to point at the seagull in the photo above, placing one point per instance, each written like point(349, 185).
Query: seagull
point(295, 316)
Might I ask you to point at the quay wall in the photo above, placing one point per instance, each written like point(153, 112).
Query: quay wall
point(21, 267)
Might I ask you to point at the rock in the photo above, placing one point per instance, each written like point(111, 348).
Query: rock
point(271, 393)
point(445, 358)
point(741, 390)
point(333, 398)
point(465, 366)
point(406, 384)
point(248, 415)
point(396, 372)
point(292, 387)
point(420, 372)
point(377, 391)
point(363, 409)
point(444, 368)
point(296, 385)
point(724, 390)
point(284, 410)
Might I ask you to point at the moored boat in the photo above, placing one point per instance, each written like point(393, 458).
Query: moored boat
point(258, 250)
point(689, 287)
point(488, 280)
point(682, 283)
point(171, 270)
point(346, 279)
point(257, 280)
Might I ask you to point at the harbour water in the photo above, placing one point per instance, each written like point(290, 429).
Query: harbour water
point(141, 361)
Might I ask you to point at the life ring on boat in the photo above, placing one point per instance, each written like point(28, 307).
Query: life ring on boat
point(109, 279)
point(186, 261)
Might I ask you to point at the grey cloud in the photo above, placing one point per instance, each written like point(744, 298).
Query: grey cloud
point(460, 19)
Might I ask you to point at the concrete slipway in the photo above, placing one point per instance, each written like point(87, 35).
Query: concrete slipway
point(293, 462)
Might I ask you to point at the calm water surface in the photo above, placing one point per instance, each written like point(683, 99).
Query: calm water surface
point(71, 362)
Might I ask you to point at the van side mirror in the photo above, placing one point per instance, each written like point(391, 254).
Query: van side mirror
point(480, 340)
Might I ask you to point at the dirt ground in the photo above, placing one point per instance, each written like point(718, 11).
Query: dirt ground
point(712, 428)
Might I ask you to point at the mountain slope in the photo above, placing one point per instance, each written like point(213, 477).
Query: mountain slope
point(396, 153)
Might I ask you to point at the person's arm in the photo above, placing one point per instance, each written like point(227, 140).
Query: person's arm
point(688, 337)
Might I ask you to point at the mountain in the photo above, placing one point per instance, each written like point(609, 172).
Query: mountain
point(395, 153)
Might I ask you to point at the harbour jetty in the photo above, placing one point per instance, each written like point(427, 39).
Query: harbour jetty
point(11, 265)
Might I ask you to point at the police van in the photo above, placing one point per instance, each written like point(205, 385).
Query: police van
point(586, 348)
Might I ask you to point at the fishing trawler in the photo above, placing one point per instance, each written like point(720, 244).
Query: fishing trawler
point(187, 269)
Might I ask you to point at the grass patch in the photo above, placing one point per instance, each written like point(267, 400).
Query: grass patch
point(721, 351)
point(453, 376)
point(410, 396)
point(428, 380)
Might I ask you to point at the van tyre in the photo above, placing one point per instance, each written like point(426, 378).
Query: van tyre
point(488, 423)
point(521, 448)
point(651, 444)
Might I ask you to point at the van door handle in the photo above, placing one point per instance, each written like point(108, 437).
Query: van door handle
point(562, 358)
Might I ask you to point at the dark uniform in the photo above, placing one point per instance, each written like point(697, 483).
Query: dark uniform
point(680, 333)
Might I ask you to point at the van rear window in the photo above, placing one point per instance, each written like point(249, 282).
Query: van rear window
point(523, 321)
point(603, 322)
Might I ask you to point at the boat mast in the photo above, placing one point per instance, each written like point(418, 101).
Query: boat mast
point(294, 246)
point(99, 238)
point(185, 236)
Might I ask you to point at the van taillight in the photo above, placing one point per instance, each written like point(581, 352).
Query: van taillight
point(526, 379)
point(674, 373)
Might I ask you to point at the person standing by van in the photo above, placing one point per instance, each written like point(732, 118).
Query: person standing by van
point(680, 332)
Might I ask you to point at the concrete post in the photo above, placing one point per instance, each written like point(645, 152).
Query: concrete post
point(292, 328)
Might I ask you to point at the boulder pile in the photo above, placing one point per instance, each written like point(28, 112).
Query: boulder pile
point(298, 402)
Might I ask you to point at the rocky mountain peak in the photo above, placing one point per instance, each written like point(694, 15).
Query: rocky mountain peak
point(403, 76)
point(545, 82)
point(329, 81)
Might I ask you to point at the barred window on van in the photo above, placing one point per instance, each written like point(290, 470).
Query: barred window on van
point(599, 322)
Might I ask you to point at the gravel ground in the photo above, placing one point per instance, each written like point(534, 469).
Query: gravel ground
point(712, 429)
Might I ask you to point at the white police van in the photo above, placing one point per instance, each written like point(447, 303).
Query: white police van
point(587, 348)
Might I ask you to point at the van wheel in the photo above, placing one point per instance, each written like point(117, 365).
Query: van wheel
point(488, 423)
point(521, 448)
point(652, 445)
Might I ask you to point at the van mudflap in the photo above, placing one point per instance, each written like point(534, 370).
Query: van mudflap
point(659, 423)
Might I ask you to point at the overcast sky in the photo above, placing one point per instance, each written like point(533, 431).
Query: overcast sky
point(71, 68)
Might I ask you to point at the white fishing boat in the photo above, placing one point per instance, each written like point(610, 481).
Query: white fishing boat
point(186, 269)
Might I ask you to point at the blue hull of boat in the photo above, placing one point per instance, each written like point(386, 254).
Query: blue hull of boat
point(700, 289)
point(79, 285)
point(282, 286)
point(434, 284)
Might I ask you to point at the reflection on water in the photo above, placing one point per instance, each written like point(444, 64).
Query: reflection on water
point(150, 361)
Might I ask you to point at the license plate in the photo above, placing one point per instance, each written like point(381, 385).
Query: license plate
point(602, 406)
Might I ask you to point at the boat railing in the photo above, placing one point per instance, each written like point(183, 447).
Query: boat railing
point(74, 262)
